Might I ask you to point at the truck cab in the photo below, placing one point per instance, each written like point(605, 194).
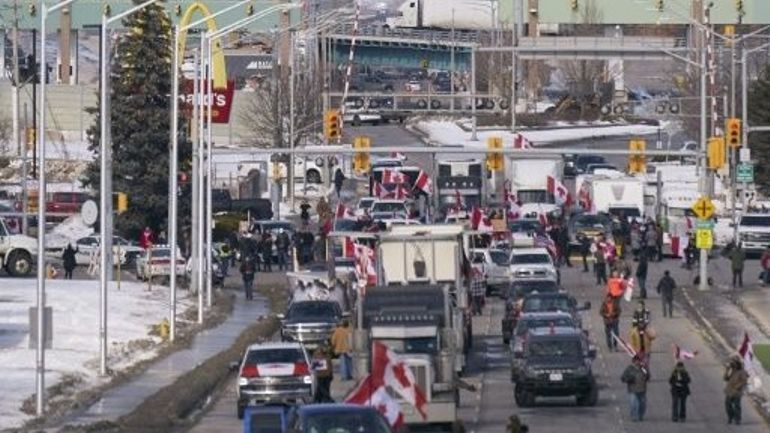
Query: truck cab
point(754, 232)
point(17, 252)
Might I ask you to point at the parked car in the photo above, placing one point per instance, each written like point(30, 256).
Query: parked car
point(310, 322)
point(528, 263)
point(66, 202)
point(273, 372)
point(267, 418)
point(413, 86)
point(155, 262)
point(338, 418)
point(123, 251)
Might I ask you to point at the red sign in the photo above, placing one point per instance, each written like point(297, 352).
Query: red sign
point(220, 108)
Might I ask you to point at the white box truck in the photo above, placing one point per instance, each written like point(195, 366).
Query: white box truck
point(444, 14)
point(529, 178)
point(617, 195)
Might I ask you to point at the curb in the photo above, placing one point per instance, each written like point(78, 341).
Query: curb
point(761, 404)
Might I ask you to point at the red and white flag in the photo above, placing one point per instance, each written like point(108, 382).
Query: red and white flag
point(398, 155)
point(350, 247)
point(519, 142)
point(584, 198)
point(479, 221)
point(681, 354)
point(747, 353)
point(365, 264)
point(627, 347)
point(393, 177)
point(390, 191)
point(628, 294)
point(344, 212)
point(370, 393)
point(392, 371)
point(423, 183)
point(559, 190)
point(459, 202)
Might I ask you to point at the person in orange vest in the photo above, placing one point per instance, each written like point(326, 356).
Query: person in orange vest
point(616, 286)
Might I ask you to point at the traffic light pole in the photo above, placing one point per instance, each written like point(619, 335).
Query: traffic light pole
point(703, 184)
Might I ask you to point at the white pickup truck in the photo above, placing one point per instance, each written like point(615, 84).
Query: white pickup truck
point(754, 232)
point(17, 252)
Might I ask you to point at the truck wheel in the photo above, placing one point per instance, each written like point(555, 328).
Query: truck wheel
point(523, 397)
point(313, 176)
point(19, 264)
point(239, 409)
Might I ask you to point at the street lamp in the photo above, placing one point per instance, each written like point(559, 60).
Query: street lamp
point(105, 196)
point(41, 211)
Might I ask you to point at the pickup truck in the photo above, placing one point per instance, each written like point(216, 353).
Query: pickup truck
point(259, 208)
point(17, 252)
point(754, 232)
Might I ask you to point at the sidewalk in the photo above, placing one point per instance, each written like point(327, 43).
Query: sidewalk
point(727, 313)
point(123, 399)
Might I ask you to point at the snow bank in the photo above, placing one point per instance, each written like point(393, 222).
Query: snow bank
point(75, 351)
point(443, 133)
point(70, 230)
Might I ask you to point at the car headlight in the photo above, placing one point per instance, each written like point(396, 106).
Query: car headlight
point(307, 380)
point(242, 381)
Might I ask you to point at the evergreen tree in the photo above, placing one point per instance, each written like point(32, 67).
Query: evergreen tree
point(759, 115)
point(140, 80)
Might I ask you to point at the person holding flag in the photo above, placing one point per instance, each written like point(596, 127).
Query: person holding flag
point(736, 380)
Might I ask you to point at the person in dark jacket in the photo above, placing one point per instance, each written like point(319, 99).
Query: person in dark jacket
point(680, 389)
point(339, 179)
point(563, 244)
point(666, 287)
point(737, 259)
point(68, 261)
point(636, 376)
point(282, 244)
point(304, 212)
point(248, 269)
point(585, 249)
point(641, 275)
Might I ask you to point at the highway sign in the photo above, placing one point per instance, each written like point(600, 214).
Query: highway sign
point(703, 208)
point(704, 239)
point(745, 173)
point(704, 224)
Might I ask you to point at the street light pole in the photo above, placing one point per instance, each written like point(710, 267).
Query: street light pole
point(209, 209)
point(703, 280)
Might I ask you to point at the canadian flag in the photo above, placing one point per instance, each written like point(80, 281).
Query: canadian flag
point(459, 202)
point(689, 223)
point(344, 212)
point(370, 393)
point(392, 191)
point(350, 247)
point(519, 142)
point(747, 353)
point(365, 270)
point(389, 369)
point(479, 221)
point(393, 177)
point(423, 183)
point(627, 347)
point(514, 211)
point(628, 294)
point(584, 198)
point(681, 354)
point(560, 192)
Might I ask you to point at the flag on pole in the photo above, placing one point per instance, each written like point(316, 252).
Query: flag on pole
point(370, 393)
point(559, 191)
point(393, 177)
point(520, 142)
point(344, 212)
point(479, 221)
point(627, 347)
point(747, 353)
point(423, 183)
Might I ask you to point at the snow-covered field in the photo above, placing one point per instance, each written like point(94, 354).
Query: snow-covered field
point(75, 352)
point(449, 133)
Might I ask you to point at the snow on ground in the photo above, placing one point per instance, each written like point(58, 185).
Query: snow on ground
point(75, 352)
point(69, 231)
point(449, 133)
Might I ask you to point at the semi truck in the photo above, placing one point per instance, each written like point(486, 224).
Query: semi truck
point(419, 308)
point(445, 15)
point(617, 195)
point(529, 178)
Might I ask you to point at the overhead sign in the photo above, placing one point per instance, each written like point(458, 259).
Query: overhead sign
point(703, 208)
point(745, 173)
point(221, 104)
point(704, 239)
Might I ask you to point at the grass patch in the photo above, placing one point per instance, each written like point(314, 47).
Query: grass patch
point(762, 352)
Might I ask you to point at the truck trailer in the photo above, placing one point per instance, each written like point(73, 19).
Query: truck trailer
point(445, 15)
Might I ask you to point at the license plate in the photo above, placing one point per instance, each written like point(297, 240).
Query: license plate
point(555, 377)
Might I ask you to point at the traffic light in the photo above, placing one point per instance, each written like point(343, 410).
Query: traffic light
point(119, 202)
point(659, 5)
point(31, 137)
point(107, 10)
point(739, 6)
point(332, 124)
point(637, 161)
point(717, 153)
point(32, 9)
point(733, 128)
point(361, 162)
point(177, 9)
point(574, 4)
point(495, 160)
point(250, 10)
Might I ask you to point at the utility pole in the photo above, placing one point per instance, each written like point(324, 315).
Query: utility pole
point(704, 174)
point(16, 83)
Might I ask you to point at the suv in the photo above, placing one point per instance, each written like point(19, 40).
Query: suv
point(66, 202)
point(754, 232)
point(310, 322)
point(556, 362)
point(517, 291)
point(272, 372)
point(551, 302)
point(493, 264)
point(528, 263)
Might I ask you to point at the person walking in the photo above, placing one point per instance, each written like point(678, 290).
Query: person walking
point(341, 346)
point(737, 379)
point(339, 179)
point(322, 366)
point(636, 376)
point(680, 389)
point(563, 243)
point(304, 212)
point(610, 312)
point(666, 287)
point(585, 250)
point(737, 258)
point(282, 244)
point(248, 270)
point(600, 263)
point(68, 261)
point(267, 252)
point(146, 238)
point(616, 286)
point(641, 276)
point(477, 291)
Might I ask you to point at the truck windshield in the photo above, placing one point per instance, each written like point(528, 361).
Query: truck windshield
point(266, 423)
point(533, 305)
point(591, 221)
point(424, 345)
point(532, 196)
point(313, 310)
point(529, 259)
point(756, 221)
point(499, 258)
point(553, 348)
point(525, 325)
point(388, 207)
point(625, 211)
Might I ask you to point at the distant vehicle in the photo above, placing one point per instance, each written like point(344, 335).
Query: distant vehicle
point(413, 86)
point(494, 267)
point(66, 202)
point(515, 293)
point(530, 321)
point(17, 252)
point(531, 188)
point(523, 231)
point(389, 206)
point(338, 418)
point(365, 203)
point(550, 302)
point(589, 225)
point(271, 372)
point(370, 83)
point(358, 116)
point(555, 362)
point(531, 263)
point(155, 262)
point(616, 195)
point(754, 232)
point(387, 162)
point(310, 322)
point(592, 168)
point(437, 14)
point(122, 250)
point(582, 162)
point(222, 201)
point(267, 418)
